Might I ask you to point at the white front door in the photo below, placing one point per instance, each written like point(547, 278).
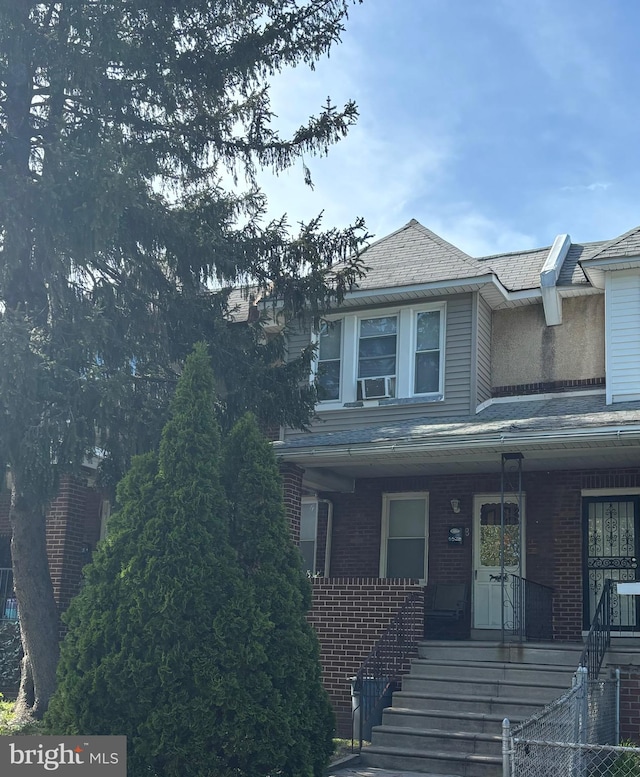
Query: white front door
point(487, 540)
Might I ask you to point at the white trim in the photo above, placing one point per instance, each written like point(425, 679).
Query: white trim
point(415, 311)
point(311, 500)
point(406, 327)
point(329, 536)
point(468, 442)
point(450, 285)
point(610, 492)
point(534, 397)
point(551, 300)
point(384, 529)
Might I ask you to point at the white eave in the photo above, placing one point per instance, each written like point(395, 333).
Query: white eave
point(551, 299)
point(596, 269)
point(488, 284)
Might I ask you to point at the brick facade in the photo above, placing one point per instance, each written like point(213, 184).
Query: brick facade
point(351, 609)
point(292, 489)
point(349, 615)
point(73, 530)
point(630, 704)
point(553, 530)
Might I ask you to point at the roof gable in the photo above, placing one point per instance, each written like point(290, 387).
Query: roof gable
point(412, 255)
point(625, 245)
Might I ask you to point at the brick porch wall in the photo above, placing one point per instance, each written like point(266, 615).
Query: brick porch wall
point(349, 615)
point(630, 703)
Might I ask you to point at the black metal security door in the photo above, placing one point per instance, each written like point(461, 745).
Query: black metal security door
point(611, 539)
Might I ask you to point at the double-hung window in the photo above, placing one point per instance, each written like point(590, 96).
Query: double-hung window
point(329, 360)
point(377, 354)
point(427, 352)
point(403, 551)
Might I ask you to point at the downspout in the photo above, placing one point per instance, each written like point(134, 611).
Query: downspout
point(327, 543)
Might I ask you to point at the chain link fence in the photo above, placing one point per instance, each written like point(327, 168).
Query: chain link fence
point(576, 735)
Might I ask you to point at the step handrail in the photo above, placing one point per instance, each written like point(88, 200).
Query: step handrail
point(388, 660)
point(599, 637)
point(532, 609)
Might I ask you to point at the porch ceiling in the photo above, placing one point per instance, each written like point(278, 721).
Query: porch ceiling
point(622, 453)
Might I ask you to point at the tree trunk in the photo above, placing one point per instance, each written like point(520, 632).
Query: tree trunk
point(39, 623)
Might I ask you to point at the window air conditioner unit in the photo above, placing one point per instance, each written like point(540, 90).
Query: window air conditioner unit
point(376, 388)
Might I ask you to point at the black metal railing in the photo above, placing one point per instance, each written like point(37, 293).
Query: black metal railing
point(8, 604)
point(380, 673)
point(599, 637)
point(532, 609)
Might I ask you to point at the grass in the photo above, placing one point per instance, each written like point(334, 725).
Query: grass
point(7, 725)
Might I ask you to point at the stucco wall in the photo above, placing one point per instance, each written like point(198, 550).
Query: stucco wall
point(525, 350)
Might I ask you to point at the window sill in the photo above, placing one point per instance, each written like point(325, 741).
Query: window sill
point(391, 402)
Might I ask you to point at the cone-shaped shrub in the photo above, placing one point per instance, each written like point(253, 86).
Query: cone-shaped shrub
point(272, 564)
point(165, 641)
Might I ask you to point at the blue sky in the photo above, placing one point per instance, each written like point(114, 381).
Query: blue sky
point(496, 123)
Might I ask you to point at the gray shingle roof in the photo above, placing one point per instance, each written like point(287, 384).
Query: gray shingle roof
point(554, 414)
point(571, 273)
point(411, 255)
point(625, 245)
point(518, 270)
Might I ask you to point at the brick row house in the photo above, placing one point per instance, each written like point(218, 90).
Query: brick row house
point(450, 386)
point(469, 407)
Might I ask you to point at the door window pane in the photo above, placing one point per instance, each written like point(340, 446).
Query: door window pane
point(491, 535)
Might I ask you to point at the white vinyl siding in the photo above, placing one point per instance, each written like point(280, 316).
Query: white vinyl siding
point(622, 323)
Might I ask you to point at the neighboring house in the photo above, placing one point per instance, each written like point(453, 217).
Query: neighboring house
point(76, 521)
point(436, 366)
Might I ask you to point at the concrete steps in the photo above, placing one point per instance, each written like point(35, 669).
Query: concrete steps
point(447, 718)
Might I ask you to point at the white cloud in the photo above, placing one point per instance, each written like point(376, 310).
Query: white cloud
point(589, 187)
point(479, 235)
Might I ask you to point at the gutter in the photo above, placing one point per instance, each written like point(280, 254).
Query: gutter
point(466, 442)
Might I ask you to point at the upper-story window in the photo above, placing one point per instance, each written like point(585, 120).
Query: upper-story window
point(377, 346)
point(427, 363)
point(382, 355)
point(329, 348)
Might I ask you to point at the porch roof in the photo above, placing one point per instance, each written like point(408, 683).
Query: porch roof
point(553, 431)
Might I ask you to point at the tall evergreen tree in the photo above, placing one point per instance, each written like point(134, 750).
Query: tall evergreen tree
point(118, 122)
point(166, 643)
point(272, 565)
